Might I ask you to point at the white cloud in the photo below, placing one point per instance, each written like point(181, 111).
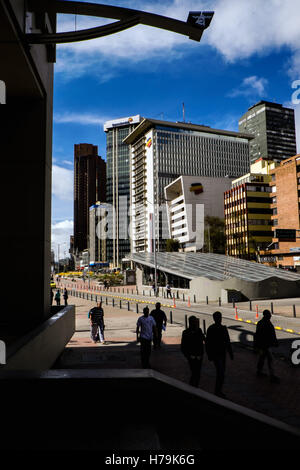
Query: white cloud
point(240, 28)
point(60, 237)
point(79, 118)
point(251, 86)
point(62, 183)
point(67, 162)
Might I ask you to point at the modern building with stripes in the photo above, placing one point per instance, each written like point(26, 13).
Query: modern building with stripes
point(118, 186)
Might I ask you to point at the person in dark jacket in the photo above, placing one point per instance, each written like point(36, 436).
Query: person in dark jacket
point(57, 297)
point(161, 322)
point(66, 295)
point(192, 341)
point(265, 338)
point(217, 345)
point(96, 316)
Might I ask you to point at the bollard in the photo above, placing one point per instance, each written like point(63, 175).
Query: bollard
point(183, 298)
point(177, 294)
point(120, 303)
point(204, 327)
point(164, 295)
point(250, 306)
point(174, 304)
point(132, 291)
point(256, 316)
point(219, 301)
point(236, 314)
point(194, 298)
point(106, 300)
point(294, 311)
point(171, 317)
point(207, 300)
point(137, 308)
point(123, 290)
point(128, 306)
point(113, 302)
point(186, 321)
point(143, 293)
point(233, 303)
point(150, 293)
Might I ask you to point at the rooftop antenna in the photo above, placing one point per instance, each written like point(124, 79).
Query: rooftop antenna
point(183, 112)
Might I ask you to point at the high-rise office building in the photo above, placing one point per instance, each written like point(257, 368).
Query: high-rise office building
point(273, 127)
point(118, 186)
point(162, 151)
point(98, 227)
point(89, 187)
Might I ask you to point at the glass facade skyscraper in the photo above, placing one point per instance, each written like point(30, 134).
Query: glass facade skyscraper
point(118, 187)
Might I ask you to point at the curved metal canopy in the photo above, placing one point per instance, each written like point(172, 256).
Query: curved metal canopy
point(128, 18)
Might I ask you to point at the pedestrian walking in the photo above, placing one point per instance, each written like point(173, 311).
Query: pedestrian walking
point(144, 335)
point(168, 289)
point(51, 296)
point(57, 297)
point(66, 295)
point(217, 344)
point(192, 347)
point(264, 339)
point(96, 316)
point(161, 322)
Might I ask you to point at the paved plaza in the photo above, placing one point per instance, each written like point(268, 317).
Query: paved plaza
point(241, 386)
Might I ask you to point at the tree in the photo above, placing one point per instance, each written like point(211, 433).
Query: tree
point(172, 245)
point(214, 235)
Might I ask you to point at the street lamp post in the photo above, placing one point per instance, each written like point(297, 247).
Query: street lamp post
point(154, 246)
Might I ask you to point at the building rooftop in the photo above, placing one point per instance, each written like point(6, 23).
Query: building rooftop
point(212, 266)
point(268, 103)
point(148, 124)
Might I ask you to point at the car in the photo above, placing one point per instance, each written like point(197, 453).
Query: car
point(52, 285)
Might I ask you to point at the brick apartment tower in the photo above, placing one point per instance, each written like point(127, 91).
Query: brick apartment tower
point(89, 187)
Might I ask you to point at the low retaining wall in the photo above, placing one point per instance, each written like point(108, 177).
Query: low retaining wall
point(39, 349)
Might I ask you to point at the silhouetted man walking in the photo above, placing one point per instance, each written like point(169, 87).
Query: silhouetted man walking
point(161, 322)
point(192, 347)
point(217, 344)
point(144, 334)
point(66, 296)
point(265, 338)
point(96, 316)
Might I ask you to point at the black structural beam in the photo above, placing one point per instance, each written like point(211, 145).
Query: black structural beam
point(197, 21)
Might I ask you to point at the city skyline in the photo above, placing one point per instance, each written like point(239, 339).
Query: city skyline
point(153, 72)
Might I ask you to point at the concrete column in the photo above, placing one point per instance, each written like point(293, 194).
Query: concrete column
point(25, 173)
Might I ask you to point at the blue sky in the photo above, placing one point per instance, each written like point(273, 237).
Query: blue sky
point(250, 52)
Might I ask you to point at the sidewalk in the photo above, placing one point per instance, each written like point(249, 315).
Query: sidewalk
point(241, 386)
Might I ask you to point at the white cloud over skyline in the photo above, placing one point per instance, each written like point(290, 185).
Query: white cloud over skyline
point(79, 118)
point(251, 86)
point(60, 237)
point(62, 183)
point(240, 29)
